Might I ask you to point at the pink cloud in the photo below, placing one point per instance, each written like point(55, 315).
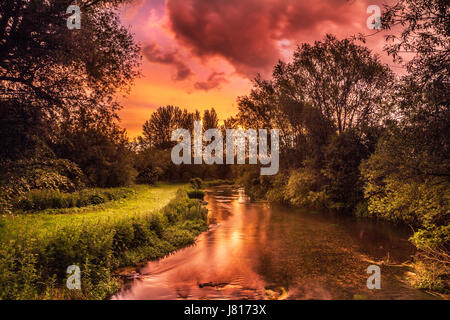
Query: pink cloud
point(214, 80)
point(247, 33)
point(155, 54)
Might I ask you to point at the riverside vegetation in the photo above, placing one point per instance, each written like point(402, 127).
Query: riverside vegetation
point(36, 248)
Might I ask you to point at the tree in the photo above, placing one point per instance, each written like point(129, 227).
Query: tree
point(106, 158)
point(341, 79)
point(59, 87)
point(210, 119)
point(44, 62)
point(157, 131)
point(46, 66)
point(333, 86)
point(406, 179)
point(425, 29)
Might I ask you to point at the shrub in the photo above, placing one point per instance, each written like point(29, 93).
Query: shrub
point(196, 183)
point(178, 237)
point(432, 263)
point(304, 189)
point(17, 178)
point(149, 175)
point(158, 223)
point(53, 199)
point(196, 194)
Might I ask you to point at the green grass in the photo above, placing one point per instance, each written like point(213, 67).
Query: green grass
point(145, 199)
point(36, 248)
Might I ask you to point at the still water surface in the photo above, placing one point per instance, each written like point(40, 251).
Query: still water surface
point(254, 251)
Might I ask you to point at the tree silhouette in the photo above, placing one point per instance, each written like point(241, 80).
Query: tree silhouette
point(157, 131)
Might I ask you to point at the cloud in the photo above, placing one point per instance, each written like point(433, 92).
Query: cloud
point(214, 80)
point(248, 33)
point(154, 54)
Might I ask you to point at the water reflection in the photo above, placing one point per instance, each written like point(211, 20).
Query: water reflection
point(243, 198)
point(252, 251)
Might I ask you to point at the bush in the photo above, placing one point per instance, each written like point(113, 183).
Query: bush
point(305, 190)
point(249, 176)
point(276, 193)
point(17, 178)
point(196, 194)
point(54, 199)
point(149, 175)
point(196, 183)
point(432, 263)
point(57, 174)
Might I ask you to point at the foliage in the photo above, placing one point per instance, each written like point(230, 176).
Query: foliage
point(149, 175)
point(196, 194)
point(54, 199)
point(305, 190)
point(106, 158)
point(59, 87)
point(153, 158)
point(210, 119)
point(34, 261)
point(157, 131)
point(196, 183)
point(256, 186)
point(19, 177)
point(342, 156)
point(45, 64)
point(276, 194)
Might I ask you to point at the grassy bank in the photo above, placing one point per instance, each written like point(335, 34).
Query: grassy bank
point(36, 248)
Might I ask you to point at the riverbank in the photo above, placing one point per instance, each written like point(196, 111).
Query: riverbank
point(256, 251)
point(422, 206)
point(37, 248)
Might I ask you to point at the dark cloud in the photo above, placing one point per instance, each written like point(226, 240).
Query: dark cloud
point(214, 80)
point(246, 32)
point(154, 54)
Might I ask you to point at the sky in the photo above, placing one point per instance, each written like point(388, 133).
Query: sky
point(202, 54)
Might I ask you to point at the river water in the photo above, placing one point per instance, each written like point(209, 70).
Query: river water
point(254, 251)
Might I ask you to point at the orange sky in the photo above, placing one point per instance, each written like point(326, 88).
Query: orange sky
point(199, 54)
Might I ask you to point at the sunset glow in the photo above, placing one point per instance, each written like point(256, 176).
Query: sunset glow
point(199, 54)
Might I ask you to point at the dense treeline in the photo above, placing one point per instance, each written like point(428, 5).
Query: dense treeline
point(354, 136)
point(153, 148)
point(358, 139)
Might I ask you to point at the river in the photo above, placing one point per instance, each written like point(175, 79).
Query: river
point(255, 251)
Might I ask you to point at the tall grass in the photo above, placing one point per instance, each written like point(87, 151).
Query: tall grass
point(54, 199)
point(33, 260)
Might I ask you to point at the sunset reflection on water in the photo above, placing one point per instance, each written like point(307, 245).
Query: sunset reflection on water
point(253, 251)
